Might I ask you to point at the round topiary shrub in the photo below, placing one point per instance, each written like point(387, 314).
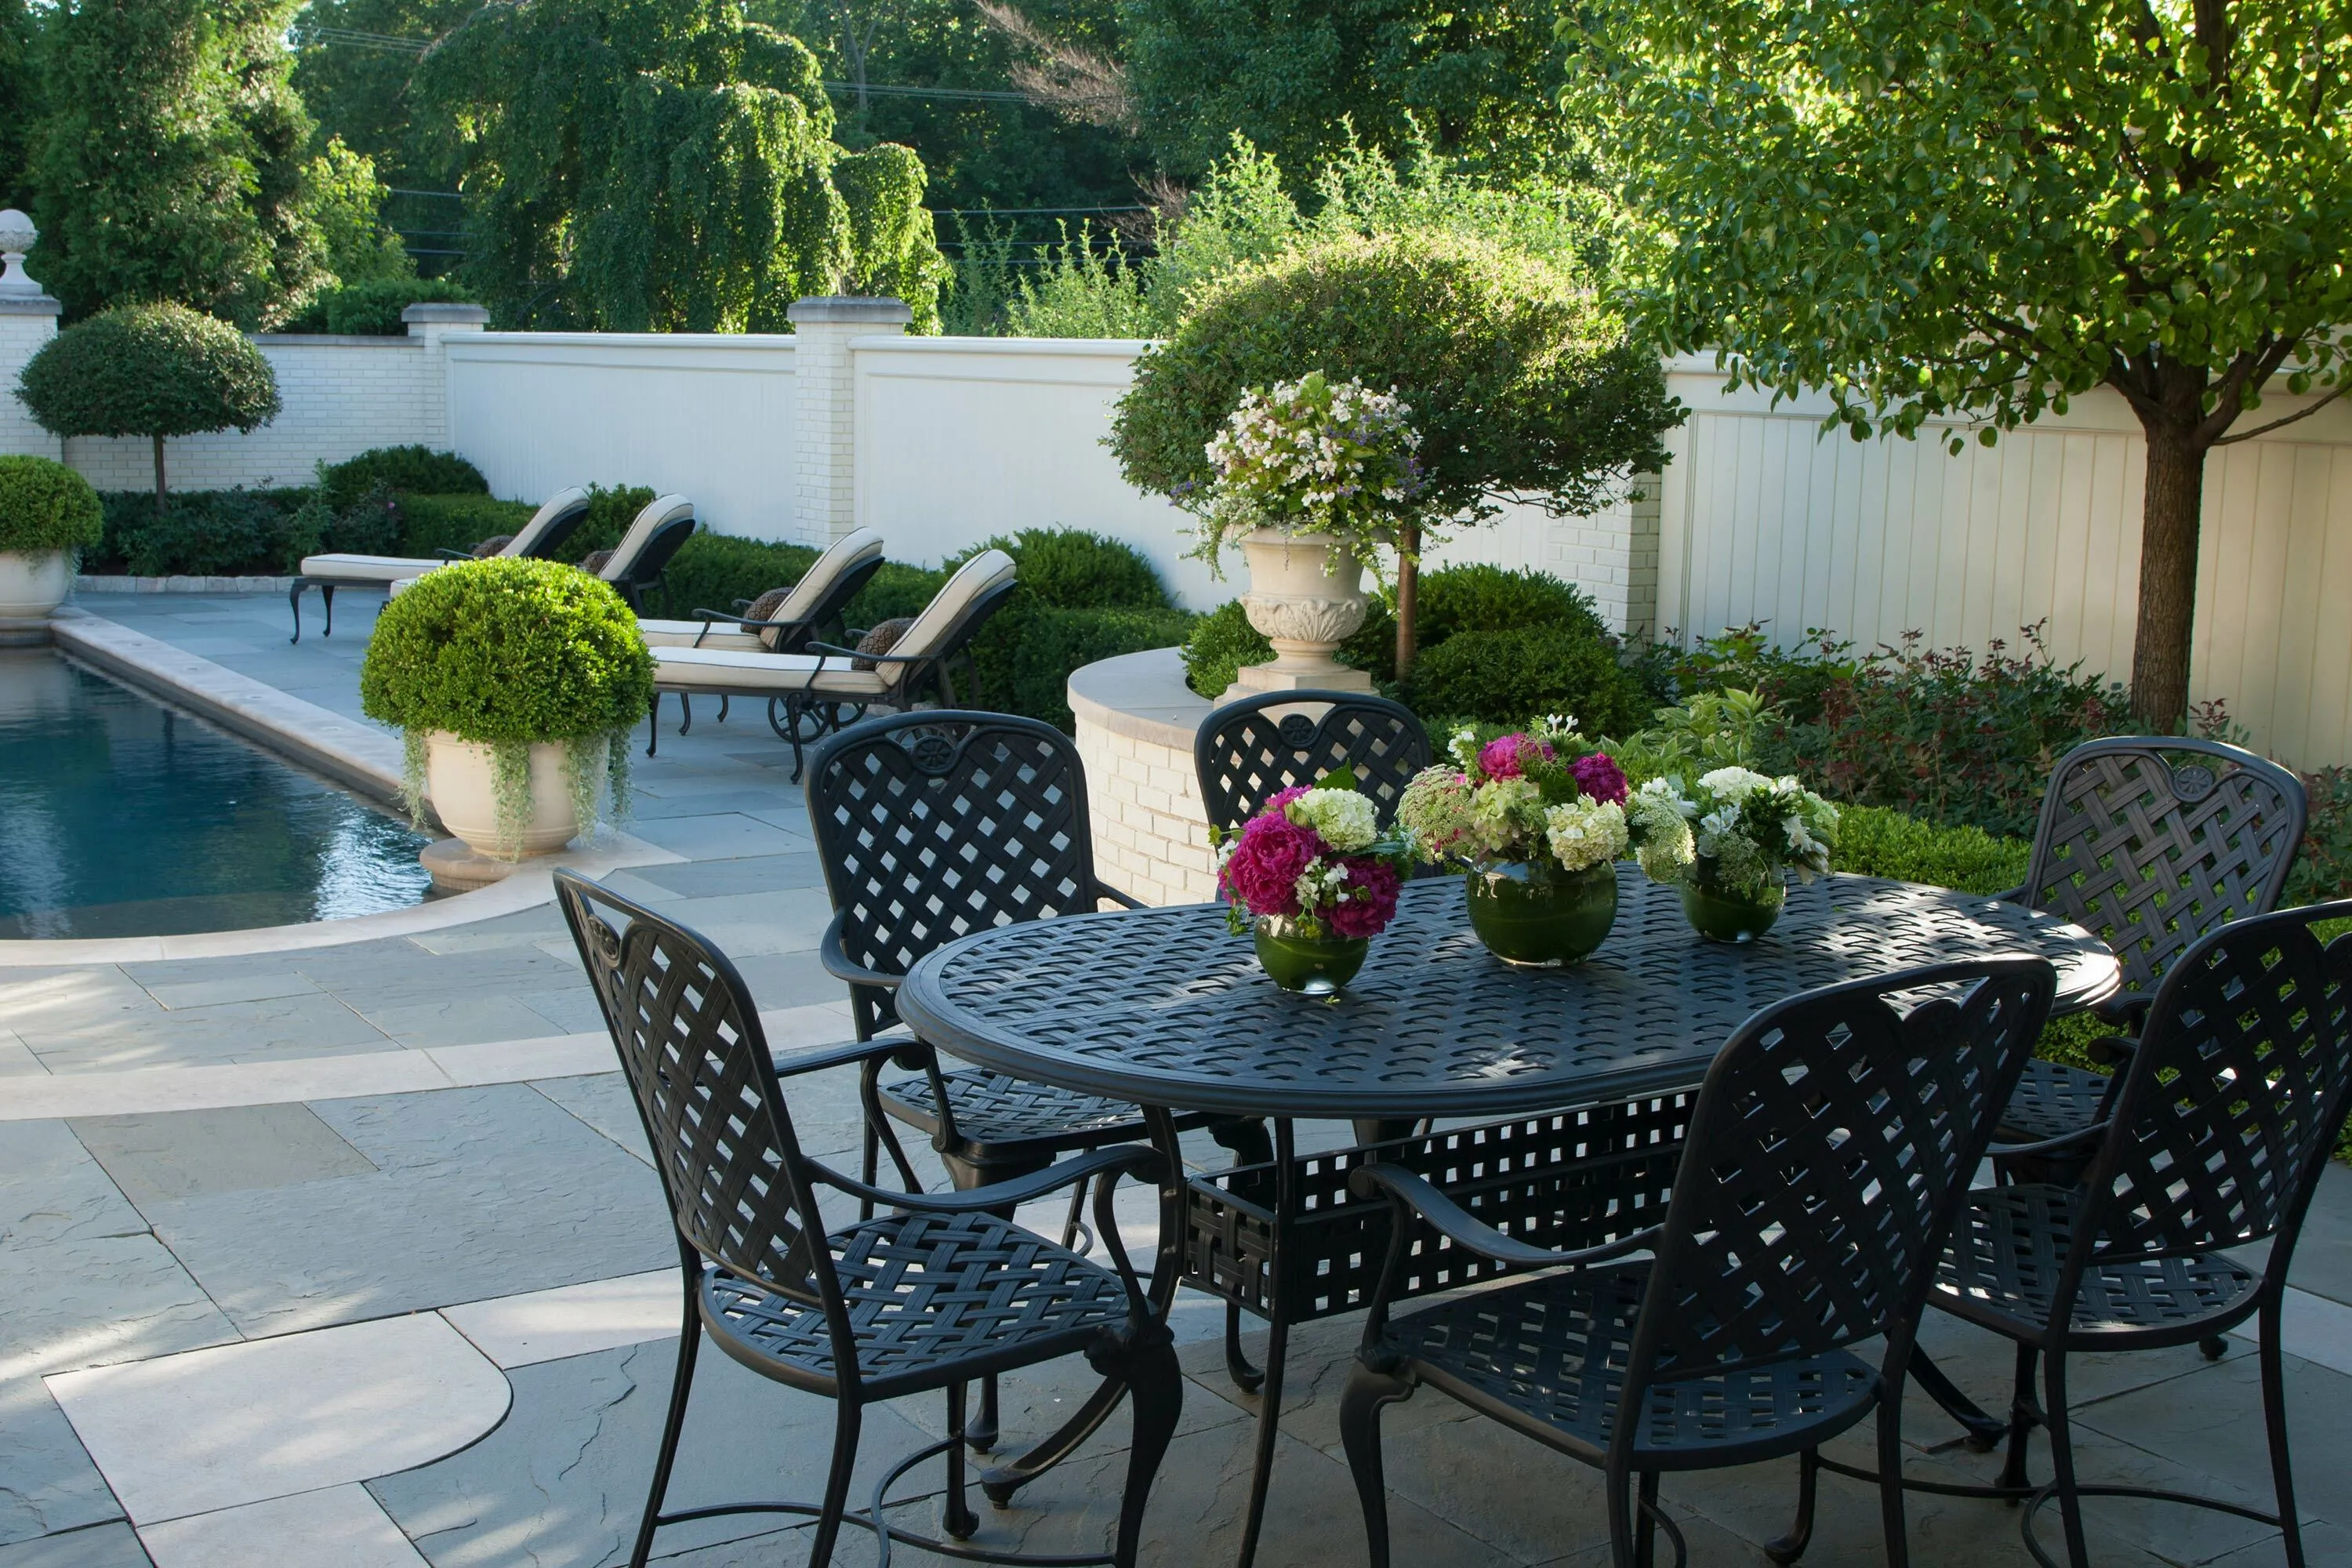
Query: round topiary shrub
point(1478, 597)
point(1073, 569)
point(1511, 677)
point(404, 470)
point(156, 370)
point(44, 505)
point(512, 652)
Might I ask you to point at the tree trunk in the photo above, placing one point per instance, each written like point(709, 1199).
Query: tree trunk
point(1408, 593)
point(159, 476)
point(2167, 579)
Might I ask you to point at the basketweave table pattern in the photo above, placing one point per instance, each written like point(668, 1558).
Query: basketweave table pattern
point(1167, 1007)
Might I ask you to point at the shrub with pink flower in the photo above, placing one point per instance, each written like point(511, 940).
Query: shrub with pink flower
point(1316, 857)
point(1524, 797)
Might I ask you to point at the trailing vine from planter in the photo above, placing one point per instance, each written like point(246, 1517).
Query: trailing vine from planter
point(412, 776)
point(511, 794)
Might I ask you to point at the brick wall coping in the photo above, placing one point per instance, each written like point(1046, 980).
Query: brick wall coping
point(1141, 695)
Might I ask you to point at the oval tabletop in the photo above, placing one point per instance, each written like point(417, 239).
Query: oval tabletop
point(1165, 1007)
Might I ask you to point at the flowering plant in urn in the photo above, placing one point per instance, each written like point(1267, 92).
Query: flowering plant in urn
point(1728, 843)
point(1536, 818)
point(1313, 878)
point(1313, 455)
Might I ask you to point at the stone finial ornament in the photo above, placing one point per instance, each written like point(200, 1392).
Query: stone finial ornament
point(16, 237)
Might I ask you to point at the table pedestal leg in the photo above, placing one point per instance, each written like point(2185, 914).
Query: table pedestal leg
point(1984, 1432)
point(1269, 1410)
point(999, 1484)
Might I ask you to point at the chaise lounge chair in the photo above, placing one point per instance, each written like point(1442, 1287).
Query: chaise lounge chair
point(542, 536)
point(637, 562)
point(815, 603)
point(825, 688)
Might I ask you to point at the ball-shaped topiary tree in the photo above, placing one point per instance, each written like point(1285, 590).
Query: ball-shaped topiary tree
point(156, 370)
point(1521, 383)
point(44, 505)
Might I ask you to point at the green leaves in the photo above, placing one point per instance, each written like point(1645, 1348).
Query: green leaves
point(148, 370)
point(44, 505)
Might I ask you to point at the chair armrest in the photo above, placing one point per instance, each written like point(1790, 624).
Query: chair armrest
point(2065, 1142)
point(827, 647)
point(736, 620)
point(855, 1051)
point(841, 966)
point(2111, 1050)
point(1125, 900)
point(1133, 1159)
point(2012, 895)
point(449, 554)
point(1416, 1196)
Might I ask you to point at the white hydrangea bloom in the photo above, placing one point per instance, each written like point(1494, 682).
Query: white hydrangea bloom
point(1343, 818)
point(1734, 781)
point(1586, 833)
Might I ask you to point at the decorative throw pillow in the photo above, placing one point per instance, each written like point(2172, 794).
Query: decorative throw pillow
point(492, 545)
point(597, 561)
point(764, 608)
point(881, 640)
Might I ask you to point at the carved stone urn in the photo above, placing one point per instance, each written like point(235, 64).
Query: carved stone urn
point(1307, 594)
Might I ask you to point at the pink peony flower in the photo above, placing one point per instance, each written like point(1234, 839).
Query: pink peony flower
point(1371, 903)
point(1503, 757)
point(1599, 776)
point(1262, 872)
point(1280, 798)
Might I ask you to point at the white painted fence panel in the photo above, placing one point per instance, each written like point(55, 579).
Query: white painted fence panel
point(708, 415)
point(1766, 520)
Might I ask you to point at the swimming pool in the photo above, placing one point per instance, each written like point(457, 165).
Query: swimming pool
point(120, 817)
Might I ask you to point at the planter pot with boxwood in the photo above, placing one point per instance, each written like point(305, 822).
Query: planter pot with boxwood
point(515, 683)
point(46, 513)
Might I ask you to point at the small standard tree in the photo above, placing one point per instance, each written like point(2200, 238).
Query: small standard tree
point(1932, 208)
point(1520, 384)
point(155, 371)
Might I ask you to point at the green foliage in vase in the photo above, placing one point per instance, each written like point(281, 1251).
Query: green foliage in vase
point(156, 370)
point(170, 161)
point(1936, 210)
point(506, 649)
point(653, 167)
point(44, 505)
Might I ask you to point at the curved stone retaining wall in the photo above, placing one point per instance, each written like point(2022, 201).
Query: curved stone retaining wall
point(1136, 720)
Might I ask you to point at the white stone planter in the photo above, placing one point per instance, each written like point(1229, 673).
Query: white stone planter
point(1308, 597)
point(33, 582)
point(457, 779)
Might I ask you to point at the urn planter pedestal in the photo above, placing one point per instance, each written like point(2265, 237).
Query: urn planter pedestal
point(459, 779)
point(1307, 595)
point(32, 583)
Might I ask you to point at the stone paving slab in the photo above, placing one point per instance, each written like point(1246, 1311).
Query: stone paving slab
point(105, 1546)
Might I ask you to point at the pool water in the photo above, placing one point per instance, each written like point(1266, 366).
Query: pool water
point(120, 817)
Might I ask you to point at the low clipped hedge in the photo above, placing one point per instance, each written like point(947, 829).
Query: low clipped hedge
point(45, 506)
point(506, 649)
point(610, 512)
point(402, 469)
point(713, 571)
point(1877, 841)
point(434, 522)
point(203, 533)
point(1026, 652)
point(1478, 597)
point(1509, 677)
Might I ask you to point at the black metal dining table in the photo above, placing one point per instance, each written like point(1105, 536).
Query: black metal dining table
point(1595, 1063)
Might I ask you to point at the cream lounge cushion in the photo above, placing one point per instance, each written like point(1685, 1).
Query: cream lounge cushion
point(335, 567)
point(850, 550)
point(973, 578)
point(657, 512)
point(761, 674)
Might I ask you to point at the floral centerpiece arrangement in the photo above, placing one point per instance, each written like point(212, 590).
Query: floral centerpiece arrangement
point(1311, 455)
point(1312, 877)
point(1729, 842)
point(1535, 819)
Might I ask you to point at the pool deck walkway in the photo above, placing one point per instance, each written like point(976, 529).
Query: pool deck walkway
point(352, 1255)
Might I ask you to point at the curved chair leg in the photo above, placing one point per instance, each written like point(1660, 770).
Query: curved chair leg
point(1890, 1478)
point(653, 726)
point(2061, 1462)
point(294, 603)
point(685, 714)
point(327, 603)
point(1791, 1546)
point(1269, 1429)
point(956, 1516)
point(1075, 1225)
point(722, 707)
point(1246, 1378)
point(689, 1341)
point(836, 1486)
point(2023, 1417)
point(1148, 1368)
point(1645, 1520)
point(981, 1435)
point(2274, 1423)
point(1984, 1432)
point(1359, 1431)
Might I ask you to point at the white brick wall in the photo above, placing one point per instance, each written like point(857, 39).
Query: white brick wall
point(1152, 834)
point(824, 409)
point(25, 325)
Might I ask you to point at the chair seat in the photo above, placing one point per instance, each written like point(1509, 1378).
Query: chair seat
point(699, 634)
point(386, 569)
point(1552, 1351)
point(994, 1108)
point(717, 670)
point(931, 1300)
point(2050, 1100)
point(2009, 1245)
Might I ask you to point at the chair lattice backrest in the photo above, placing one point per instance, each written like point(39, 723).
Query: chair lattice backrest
point(2235, 1093)
point(698, 1066)
point(1828, 1153)
point(933, 825)
point(1246, 751)
point(2151, 844)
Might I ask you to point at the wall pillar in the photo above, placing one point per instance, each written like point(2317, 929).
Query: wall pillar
point(430, 326)
point(26, 322)
point(824, 408)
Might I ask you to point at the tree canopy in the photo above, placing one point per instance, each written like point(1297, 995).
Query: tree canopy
point(170, 163)
point(1949, 209)
point(648, 166)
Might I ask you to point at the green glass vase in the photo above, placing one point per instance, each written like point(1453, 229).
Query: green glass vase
point(1536, 916)
point(1720, 915)
point(1310, 965)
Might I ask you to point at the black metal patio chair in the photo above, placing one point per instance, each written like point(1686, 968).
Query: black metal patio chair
point(2215, 1138)
point(931, 825)
point(1246, 751)
point(2150, 844)
point(936, 1292)
point(1829, 1149)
